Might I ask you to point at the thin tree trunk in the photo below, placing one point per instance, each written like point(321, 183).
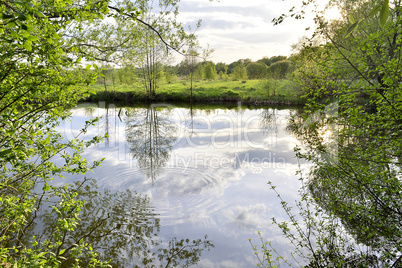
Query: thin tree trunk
point(191, 87)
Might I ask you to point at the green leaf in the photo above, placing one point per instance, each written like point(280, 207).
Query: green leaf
point(352, 28)
point(27, 45)
point(11, 24)
point(384, 13)
point(374, 11)
point(5, 152)
point(33, 38)
point(7, 16)
point(47, 140)
point(42, 254)
point(46, 187)
point(22, 17)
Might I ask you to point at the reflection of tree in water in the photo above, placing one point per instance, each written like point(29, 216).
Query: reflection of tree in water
point(354, 185)
point(121, 227)
point(109, 118)
point(190, 124)
point(108, 122)
point(150, 135)
point(269, 121)
point(89, 111)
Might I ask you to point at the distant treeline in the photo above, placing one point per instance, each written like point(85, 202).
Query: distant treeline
point(277, 67)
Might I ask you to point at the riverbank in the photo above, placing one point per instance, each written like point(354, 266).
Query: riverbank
point(278, 92)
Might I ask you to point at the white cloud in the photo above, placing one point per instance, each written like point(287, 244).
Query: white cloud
point(244, 29)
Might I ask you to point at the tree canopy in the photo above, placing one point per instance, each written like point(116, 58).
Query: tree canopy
point(351, 129)
point(44, 47)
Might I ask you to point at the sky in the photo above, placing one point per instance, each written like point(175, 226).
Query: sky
point(240, 29)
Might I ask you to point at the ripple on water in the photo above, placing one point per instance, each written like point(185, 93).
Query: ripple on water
point(121, 179)
point(178, 194)
point(182, 194)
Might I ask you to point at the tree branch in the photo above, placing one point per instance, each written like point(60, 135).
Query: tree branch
point(149, 26)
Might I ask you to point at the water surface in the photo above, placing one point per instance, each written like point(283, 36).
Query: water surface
point(204, 169)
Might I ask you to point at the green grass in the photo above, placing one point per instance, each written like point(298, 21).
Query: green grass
point(253, 91)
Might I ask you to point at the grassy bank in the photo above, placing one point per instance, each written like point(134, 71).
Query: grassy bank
point(249, 91)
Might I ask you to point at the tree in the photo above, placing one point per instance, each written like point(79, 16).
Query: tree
point(152, 68)
point(265, 60)
point(42, 45)
point(37, 83)
point(190, 64)
point(280, 69)
point(153, 54)
point(221, 67)
point(268, 61)
point(256, 70)
point(232, 66)
point(240, 72)
point(209, 70)
point(355, 180)
point(307, 58)
point(368, 159)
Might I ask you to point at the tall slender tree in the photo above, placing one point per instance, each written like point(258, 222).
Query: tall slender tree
point(191, 63)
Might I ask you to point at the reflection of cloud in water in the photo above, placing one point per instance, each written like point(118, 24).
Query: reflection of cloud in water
point(220, 189)
point(247, 217)
point(186, 194)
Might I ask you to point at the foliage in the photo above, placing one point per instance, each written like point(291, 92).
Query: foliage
point(36, 86)
point(268, 61)
point(318, 238)
point(221, 67)
point(280, 69)
point(240, 72)
point(352, 135)
point(308, 74)
point(256, 70)
point(41, 49)
point(266, 257)
point(209, 70)
point(232, 66)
